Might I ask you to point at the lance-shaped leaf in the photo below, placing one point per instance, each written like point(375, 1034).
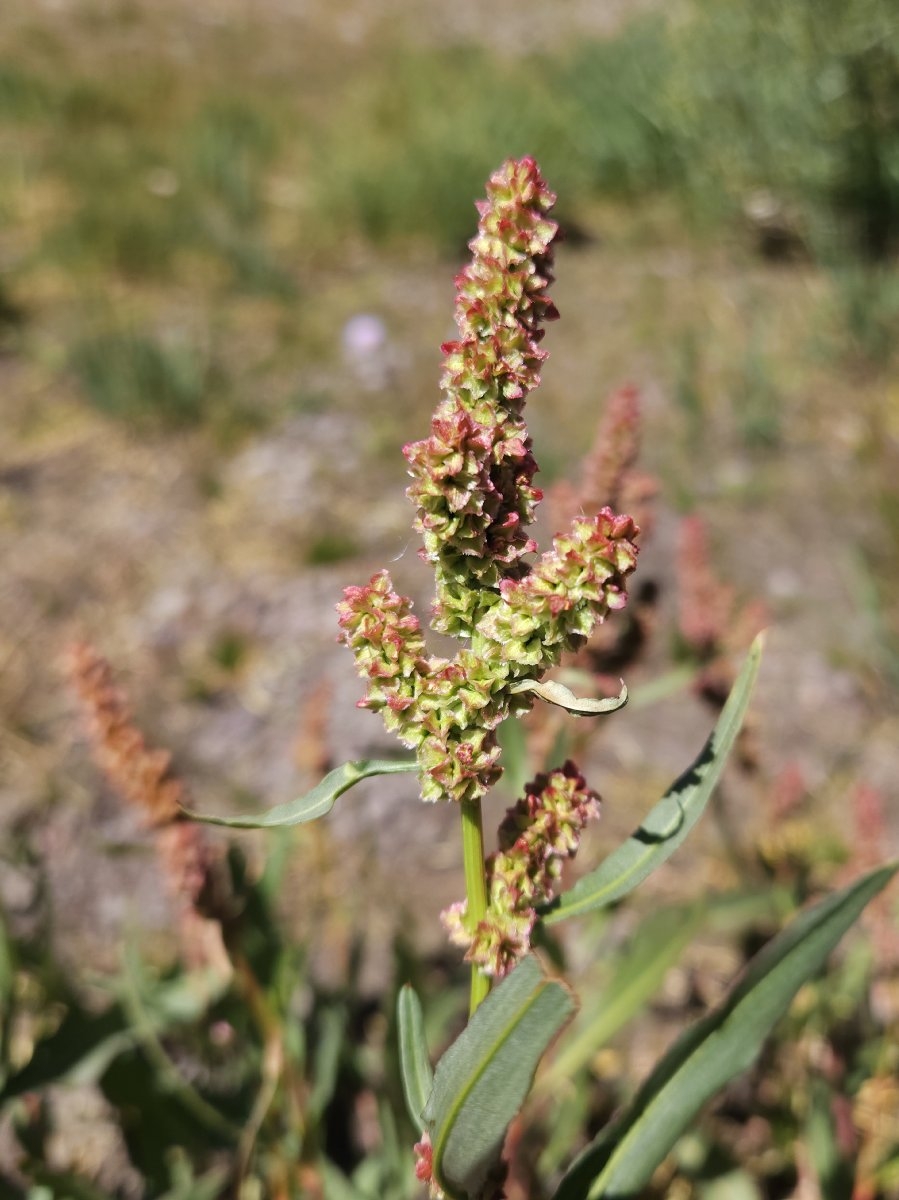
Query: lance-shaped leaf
point(669, 822)
point(415, 1066)
point(314, 804)
point(622, 1159)
point(638, 970)
point(482, 1080)
point(656, 945)
point(557, 693)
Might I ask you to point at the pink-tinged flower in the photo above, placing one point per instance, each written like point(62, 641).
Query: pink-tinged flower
point(536, 836)
point(500, 941)
point(385, 636)
point(460, 765)
point(424, 1166)
point(475, 497)
point(142, 776)
point(571, 589)
point(195, 867)
point(706, 604)
point(473, 475)
point(869, 850)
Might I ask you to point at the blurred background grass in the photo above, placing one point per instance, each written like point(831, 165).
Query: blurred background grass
point(154, 160)
point(192, 204)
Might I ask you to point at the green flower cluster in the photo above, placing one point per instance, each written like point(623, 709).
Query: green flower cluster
point(473, 475)
point(537, 834)
point(576, 584)
point(473, 485)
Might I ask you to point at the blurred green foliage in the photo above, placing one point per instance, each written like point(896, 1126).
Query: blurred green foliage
point(775, 124)
point(801, 99)
point(407, 147)
point(259, 1081)
point(249, 1084)
point(138, 378)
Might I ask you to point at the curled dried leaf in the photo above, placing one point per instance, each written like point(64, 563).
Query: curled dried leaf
point(557, 693)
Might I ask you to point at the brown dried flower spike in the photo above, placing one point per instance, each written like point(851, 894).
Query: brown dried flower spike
point(144, 778)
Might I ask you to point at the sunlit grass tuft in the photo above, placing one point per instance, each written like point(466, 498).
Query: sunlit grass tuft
point(143, 380)
point(406, 145)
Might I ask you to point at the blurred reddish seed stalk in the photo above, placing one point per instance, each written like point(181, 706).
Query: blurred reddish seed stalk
point(194, 867)
point(609, 473)
point(712, 621)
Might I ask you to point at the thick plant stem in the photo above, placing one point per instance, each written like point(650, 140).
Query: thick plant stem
point(475, 887)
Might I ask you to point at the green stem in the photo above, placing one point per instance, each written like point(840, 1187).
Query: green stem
point(475, 888)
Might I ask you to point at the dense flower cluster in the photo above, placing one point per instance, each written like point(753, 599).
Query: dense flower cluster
point(576, 584)
point(143, 776)
point(448, 710)
point(424, 1167)
point(473, 487)
point(473, 477)
point(537, 834)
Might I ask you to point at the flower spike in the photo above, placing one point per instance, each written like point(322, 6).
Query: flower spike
point(473, 487)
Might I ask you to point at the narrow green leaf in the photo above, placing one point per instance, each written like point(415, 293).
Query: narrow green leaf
point(640, 968)
point(482, 1080)
point(207, 1187)
point(622, 1159)
point(7, 967)
point(67, 1184)
point(735, 1185)
point(833, 1173)
point(329, 1043)
point(635, 978)
point(80, 1050)
point(314, 804)
point(336, 1185)
point(671, 820)
point(415, 1066)
point(7, 997)
point(557, 693)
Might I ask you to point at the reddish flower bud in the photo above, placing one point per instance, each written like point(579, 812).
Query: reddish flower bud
point(537, 834)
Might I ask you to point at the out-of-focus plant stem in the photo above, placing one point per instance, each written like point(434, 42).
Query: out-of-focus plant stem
point(475, 888)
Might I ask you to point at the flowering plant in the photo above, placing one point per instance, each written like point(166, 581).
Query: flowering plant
point(473, 487)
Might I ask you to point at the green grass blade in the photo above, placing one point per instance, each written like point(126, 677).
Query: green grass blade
point(45, 1181)
point(636, 977)
point(671, 820)
point(314, 804)
point(640, 969)
point(331, 1038)
point(831, 1169)
point(482, 1080)
point(415, 1066)
point(622, 1159)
